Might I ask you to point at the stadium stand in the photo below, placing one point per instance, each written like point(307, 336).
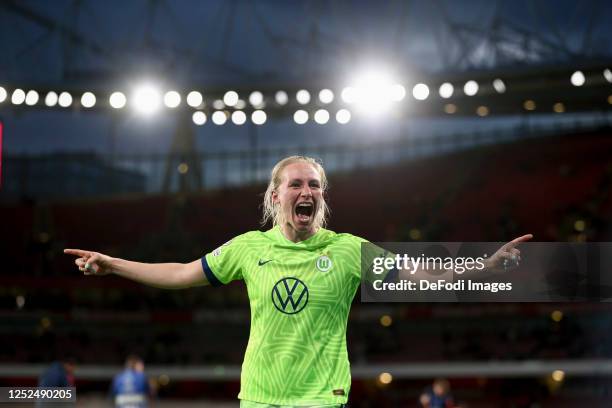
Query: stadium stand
point(459, 196)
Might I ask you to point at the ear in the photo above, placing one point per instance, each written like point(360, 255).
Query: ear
point(275, 199)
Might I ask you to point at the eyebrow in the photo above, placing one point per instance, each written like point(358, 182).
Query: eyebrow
point(300, 180)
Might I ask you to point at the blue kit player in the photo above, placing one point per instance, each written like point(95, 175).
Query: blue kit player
point(130, 387)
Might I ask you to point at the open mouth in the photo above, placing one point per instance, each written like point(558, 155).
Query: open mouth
point(304, 211)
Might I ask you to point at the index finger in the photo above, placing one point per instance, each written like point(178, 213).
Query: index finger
point(77, 252)
point(518, 240)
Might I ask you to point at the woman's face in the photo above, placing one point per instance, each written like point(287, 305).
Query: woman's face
point(299, 195)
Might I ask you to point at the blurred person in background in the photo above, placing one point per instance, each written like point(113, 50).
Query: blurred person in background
point(438, 395)
point(58, 374)
point(130, 388)
point(301, 280)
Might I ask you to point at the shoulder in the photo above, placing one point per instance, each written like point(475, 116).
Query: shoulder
point(242, 243)
point(121, 374)
point(345, 237)
point(346, 243)
point(253, 235)
point(246, 238)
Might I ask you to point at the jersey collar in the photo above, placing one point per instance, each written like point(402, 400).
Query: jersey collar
point(319, 239)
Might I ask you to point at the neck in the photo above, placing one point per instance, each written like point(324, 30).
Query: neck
point(294, 235)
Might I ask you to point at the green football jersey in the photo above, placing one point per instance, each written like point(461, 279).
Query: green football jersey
point(300, 295)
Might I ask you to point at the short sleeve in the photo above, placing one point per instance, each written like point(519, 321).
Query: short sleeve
point(362, 256)
point(372, 256)
point(224, 264)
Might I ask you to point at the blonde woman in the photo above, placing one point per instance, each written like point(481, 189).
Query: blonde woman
point(301, 279)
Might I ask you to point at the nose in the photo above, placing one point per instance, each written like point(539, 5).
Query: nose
point(306, 192)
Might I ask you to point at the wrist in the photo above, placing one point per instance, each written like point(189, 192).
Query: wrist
point(114, 265)
point(491, 265)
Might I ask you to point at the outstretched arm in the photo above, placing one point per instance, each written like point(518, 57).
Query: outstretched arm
point(161, 275)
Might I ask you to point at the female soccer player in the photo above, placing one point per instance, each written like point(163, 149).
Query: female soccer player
point(301, 279)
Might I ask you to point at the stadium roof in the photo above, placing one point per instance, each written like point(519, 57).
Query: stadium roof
point(215, 46)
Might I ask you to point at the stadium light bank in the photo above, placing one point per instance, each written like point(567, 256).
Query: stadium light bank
point(373, 93)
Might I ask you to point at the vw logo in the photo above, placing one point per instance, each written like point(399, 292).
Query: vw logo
point(290, 295)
